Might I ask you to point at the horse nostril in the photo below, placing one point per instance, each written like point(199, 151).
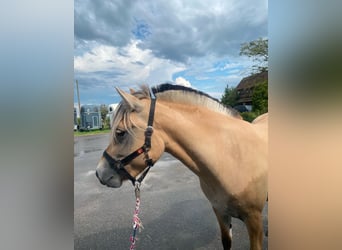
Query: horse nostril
point(97, 175)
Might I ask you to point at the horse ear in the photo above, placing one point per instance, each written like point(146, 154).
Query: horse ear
point(132, 91)
point(131, 101)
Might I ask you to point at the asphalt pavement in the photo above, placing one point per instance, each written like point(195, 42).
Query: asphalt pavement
point(174, 211)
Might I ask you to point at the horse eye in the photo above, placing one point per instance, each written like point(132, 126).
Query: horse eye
point(120, 133)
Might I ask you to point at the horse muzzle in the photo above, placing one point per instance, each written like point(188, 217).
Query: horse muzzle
point(107, 176)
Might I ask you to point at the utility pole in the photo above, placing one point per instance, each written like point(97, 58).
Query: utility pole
point(78, 97)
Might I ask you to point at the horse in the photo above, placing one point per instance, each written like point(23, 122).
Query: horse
point(228, 154)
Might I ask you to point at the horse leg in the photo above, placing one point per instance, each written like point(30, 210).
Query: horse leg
point(255, 230)
point(226, 230)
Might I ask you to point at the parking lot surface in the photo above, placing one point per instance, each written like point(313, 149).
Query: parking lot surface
point(174, 211)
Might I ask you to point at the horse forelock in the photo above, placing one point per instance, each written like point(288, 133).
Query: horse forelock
point(123, 113)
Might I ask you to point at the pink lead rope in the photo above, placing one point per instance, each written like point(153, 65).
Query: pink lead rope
point(136, 220)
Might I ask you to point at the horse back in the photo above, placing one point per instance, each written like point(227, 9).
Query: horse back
point(261, 125)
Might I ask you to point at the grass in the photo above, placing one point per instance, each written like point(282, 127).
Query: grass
point(92, 132)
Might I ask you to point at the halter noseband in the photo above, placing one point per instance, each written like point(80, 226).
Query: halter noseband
point(119, 165)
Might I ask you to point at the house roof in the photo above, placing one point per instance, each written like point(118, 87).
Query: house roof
point(252, 80)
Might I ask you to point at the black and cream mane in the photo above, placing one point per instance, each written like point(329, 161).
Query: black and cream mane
point(185, 95)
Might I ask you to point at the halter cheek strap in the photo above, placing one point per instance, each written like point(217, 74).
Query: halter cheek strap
point(119, 165)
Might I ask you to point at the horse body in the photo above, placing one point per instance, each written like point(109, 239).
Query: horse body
point(228, 155)
point(230, 160)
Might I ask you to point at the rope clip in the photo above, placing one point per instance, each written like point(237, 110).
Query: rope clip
point(137, 189)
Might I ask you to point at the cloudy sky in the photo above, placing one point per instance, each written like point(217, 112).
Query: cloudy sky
point(125, 43)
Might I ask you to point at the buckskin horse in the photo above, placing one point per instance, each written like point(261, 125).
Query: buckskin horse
point(228, 154)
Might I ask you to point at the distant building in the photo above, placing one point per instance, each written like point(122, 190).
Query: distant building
point(111, 109)
point(246, 86)
point(90, 117)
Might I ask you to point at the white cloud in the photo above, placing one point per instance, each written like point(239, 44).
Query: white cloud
point(182, 81)
point(233, 65)
point(217, 95)
point(124, 43)
point(129, 65)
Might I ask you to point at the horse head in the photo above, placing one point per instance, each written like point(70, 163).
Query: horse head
point(125, 156)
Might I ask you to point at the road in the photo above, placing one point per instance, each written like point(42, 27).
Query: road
point(174, 212)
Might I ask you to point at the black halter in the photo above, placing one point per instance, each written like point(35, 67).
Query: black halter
point(119, 165)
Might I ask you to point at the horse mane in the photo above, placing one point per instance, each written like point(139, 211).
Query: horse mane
point(185, 95)
point(172, 93)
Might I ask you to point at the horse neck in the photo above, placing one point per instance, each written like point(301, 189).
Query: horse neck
point(185, 134)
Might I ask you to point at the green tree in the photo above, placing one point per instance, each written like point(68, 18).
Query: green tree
point(230, 96)
point(260, 98)
point(104, 112)
point(258, 51)
point(107, 123)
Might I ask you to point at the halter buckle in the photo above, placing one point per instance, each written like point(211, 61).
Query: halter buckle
point(148, 135)
point(149, 131)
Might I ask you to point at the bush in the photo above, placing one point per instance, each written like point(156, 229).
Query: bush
point(229, 97)
point(249, 116)
point(260, 98)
